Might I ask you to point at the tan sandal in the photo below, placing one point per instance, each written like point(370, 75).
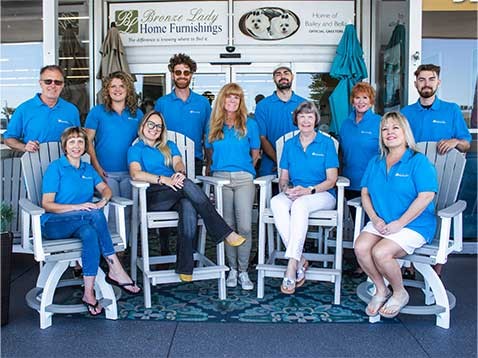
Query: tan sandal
point(300, 280)
point(395, 304)
point(376, 303)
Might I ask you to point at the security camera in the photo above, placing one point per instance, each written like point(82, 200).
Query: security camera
point(230, 48)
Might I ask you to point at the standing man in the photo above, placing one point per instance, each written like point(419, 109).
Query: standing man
point(434, 120)
point(185, 111)
point(44, 117)
point(274, 116)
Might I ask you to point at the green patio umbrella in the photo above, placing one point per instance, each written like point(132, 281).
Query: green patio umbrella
point(348, 67)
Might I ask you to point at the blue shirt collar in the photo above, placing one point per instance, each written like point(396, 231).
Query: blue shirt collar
point(176, 98)
point(435, 106)
point(39, 102)
point(318, 139)
point(65, 163)
point(293, 97)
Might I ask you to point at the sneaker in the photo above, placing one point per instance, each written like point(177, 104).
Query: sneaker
point(232, 278)
point(245, 282)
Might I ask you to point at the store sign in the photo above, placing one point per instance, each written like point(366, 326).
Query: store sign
point(171, 23)
point(291, 22)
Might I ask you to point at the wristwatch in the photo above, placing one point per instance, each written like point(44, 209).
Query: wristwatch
point(312, 189)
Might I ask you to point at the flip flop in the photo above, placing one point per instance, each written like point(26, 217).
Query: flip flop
point(288, 286)
point(92, 308)
point(123, 285)
point(300, 280)
point(396, 304)
point(376, 302)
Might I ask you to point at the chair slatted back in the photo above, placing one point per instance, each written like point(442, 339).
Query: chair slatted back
point(450, 168)
point(186, 148)
point(281, 141)
point(34, 166)
point(12, 187)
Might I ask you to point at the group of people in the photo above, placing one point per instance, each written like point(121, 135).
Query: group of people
point(378, 155)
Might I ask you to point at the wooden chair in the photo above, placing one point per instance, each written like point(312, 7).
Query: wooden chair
point(206, 269)
point(56, 255)
point(437, 300)
point(323, 219)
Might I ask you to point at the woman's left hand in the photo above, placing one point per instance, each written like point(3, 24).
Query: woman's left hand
point(392, 227)
point(177, 180)
point(296, 192)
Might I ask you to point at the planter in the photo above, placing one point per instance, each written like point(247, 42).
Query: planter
point(6, 251)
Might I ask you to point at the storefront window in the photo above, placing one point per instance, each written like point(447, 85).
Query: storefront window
point(149, 87)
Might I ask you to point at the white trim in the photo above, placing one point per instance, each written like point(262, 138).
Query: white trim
point(414, 47)
point(50, 32)
point(469, 248)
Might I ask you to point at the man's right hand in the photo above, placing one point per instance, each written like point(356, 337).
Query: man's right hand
point(32, 146)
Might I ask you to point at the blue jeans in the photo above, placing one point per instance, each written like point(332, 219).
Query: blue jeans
point(188, 202)
point(90, 227)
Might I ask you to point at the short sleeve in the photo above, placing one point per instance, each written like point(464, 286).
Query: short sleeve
point(51, 179)
point(424, 175)
point(96, 177)
point(174, 149)
point(461, 130)
point(134, 154)
point(253, 134)
point(92, 119)
point(15, 126)
point(284, 160)
point(207, 143)
point(365, 179)
point(331, 158)
point(259, 116)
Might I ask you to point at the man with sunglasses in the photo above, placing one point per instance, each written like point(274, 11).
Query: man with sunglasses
point(185, 111)
point(44, 117)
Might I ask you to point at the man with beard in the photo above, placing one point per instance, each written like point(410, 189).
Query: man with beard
point(185, 111)
point(434, 120)
point(44, 117)
point(274, 116)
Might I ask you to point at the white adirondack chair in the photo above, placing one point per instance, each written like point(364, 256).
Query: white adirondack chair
point(206, 269)
point(437, 300)
point(56, 255)
point(327, 219)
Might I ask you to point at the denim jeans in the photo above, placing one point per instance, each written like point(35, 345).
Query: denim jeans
point(188, 202)
point(238, 198)
point(89, 226)
point(120, 186)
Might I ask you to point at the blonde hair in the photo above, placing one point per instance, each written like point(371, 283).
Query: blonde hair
point(403, 124)
point(162, 142)
point(218, 114)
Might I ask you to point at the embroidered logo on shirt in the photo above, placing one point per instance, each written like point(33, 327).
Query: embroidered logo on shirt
point(438, 122)
point(317, 154)
point(86, 177)
point(193, 111)
point(365, 132)
point(401, 175)
point(63, 121)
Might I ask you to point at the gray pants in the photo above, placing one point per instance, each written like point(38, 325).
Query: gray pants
point(120, 186)
point(238, 198)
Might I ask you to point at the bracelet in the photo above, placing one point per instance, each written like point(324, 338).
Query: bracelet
point(105, 200)
point(159, 180)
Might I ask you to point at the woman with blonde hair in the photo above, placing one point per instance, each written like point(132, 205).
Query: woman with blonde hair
point(398, 188)
point(232, 149)
point(156, 160)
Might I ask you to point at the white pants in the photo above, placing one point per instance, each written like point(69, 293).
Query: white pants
point(291, 218)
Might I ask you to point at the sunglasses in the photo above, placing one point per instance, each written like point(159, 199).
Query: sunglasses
point(152, 125)
point(56, 82)
point(179, 72)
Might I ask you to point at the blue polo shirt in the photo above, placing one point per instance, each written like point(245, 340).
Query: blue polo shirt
point(359, 144)
point(151, 159)
point(71, 185)
point(189, 118)
point(392, 193)
point(307, 168)
point(274, 118)
point(233, 153)
point(442, 121)
point(114, 135)
point(34, 120)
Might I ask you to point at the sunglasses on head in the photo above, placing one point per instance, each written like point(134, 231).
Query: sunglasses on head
point(152, 125)
point(179, 72)
point(56, 82)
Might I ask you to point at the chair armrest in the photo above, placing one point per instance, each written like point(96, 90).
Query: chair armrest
point(343, 181)
point(118, 200)
point(139, 184)
point(264, 180)
point(30, 208)
point(355, 202)
point(213, 180)
point(452, 210)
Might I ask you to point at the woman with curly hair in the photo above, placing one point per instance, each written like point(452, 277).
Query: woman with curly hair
point(112, 127)
point(233, 145)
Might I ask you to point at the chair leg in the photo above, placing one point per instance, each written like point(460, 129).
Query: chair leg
point(439, 292)
point(106, 291)
point(260, 284)
point(147, 291)
point(337, 288)
point(221, 283)
point(54, 270)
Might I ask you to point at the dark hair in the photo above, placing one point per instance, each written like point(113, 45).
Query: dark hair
point(428, 67)
point(306, 107)
point(259, 98)
point(131, 99)
point(72, 132)
point(182, 59)
point(52, 68)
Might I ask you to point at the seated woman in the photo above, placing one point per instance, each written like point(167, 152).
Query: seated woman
point(233, 145)
point(156, 160)
point(68, 187)
point(308, 175)
point(397, 194)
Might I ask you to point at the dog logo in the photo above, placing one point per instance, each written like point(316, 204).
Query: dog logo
point(269, 23)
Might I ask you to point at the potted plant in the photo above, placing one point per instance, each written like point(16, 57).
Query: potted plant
point(6, 216)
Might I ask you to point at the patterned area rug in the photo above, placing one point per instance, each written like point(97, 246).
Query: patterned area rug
point(199, 302)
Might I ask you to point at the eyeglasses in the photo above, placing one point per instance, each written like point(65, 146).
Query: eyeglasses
point(179, 72)
point(152, 125)
point(56, 82)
